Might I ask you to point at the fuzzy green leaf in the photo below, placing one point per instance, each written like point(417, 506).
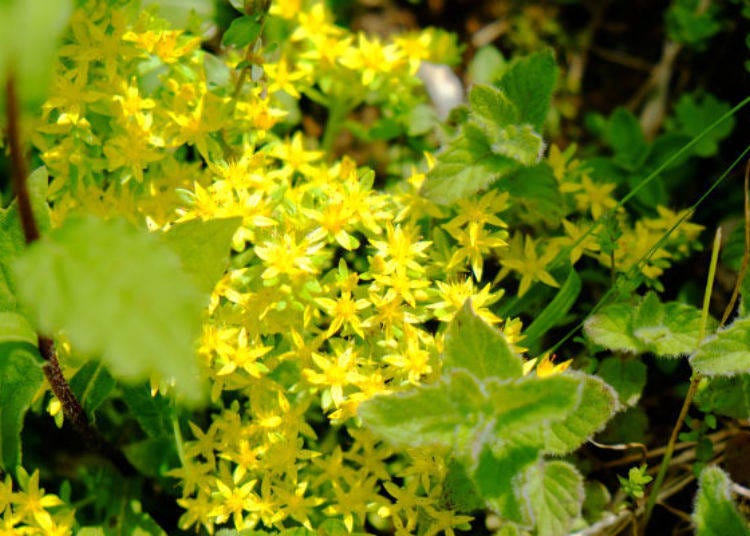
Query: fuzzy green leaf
point(496, 475)
point(492, 107)
point(521, 143)
point(466, 166)
point(715, 513)
point(626, 375)
point(92, 384)
point(723, 395)
point(529, 84)
point(595, 407)
point(472, 344)
point(428, 414)
point(555, 310)
point(20, 378)
point(535, 194)
point(203, 248)
point(726, 353)
point(119, 293)
point(554, 491)
point(665, 329)
point(15, 328)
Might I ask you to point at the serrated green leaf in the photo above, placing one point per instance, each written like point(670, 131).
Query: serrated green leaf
point(521, 143)
point(15, 328)
point(595, 407)
point(154, 413)
point(715, 513)
point(625, 137)
point(20, 378)
point(554, 491)
point(689, 23)
point(531, 402)
point(466, 166)
point(491, 106)
point(241, 32)
point(472, 344)
point(626, 375)
point(92, 384)
point(665, 329)
point(426, 415)
point(203, 248)
point(726, 353)
point(728, 396)
point(694, 113)
point(529, 84)
point(119, 293)
point(555, 310)
point(497, 474)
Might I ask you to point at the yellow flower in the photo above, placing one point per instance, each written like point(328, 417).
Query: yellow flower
point(282, 79)
point(287, 256)
point(344, 311)
point(336, 373)
point(371, 57)
point(524, 259)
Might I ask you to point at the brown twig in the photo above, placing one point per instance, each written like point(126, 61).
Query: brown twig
point(72, 408)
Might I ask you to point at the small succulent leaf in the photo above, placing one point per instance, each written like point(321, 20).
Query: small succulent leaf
point(473, 344)
point(725, 354)
point(554, 491)
point(715, 513)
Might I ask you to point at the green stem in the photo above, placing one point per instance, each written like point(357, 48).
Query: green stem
point(694, 381)
point(336, 115)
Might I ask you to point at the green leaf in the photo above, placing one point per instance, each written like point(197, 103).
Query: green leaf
point(555, 310)
point(626, 375)
point(30, 30)
point(487, 65)
point(20, 379)
point(726, 353)
point(554, 491)
point(728, 396)
point(529, 84)
point(92, 384)
point(154, 413)
point(119, 293)
point(531, 402)
point(521, 143)
point(15, 328)
point(243, 31)
point(426, 415)
point(625, 137)
point(179, 12)
point(595, 407)
point(689, 23)
point(153, 457)
point(665, 329)
point(492, 107)
point(472, 344)
point(535, 194)
point(497, 474)
point(466, 166)
point(694, 113)
point(460, 489)
point(203, 248)
point(715, 513)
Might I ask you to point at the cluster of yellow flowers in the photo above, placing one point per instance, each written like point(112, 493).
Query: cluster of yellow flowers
point(336, 287)
point(30, 510)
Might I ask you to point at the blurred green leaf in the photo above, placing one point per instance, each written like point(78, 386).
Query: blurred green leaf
point(725, 354)
point(15, 328)
point(243, 31)
point(554, 491)
point(555, 310)
point(693, 114)
point(691, 22)
point(627, 375)
point(92, 384)
point(529, 84)
point(116, 292)
point(624, 135)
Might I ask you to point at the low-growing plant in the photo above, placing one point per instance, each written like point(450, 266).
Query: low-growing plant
point(250, 332)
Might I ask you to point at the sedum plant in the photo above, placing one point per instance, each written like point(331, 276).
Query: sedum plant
point(253, 333)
